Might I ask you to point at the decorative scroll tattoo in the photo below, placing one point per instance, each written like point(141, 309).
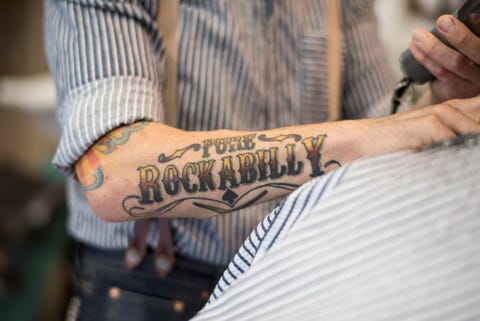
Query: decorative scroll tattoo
point(241, 163)
point(89, 169)
point(134, 207)
point(178, 153)
point(332, 162)
point(279, 138)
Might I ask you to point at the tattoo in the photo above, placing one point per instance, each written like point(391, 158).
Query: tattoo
point(230, 144)
point(91, 162)
point(244, 165)
point(280, 138)
point(314, 145)
point(178, 153)
point(134, 207)
point(97, 180)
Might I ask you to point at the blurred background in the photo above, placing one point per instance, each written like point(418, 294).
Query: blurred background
point(35, 262)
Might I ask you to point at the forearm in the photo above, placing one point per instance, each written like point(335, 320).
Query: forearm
point(149, 169)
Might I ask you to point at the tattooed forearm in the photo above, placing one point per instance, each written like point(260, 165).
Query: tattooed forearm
point(225, 165)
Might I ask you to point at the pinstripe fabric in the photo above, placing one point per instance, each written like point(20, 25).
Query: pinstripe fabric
point(355, 245)
point(243, 65)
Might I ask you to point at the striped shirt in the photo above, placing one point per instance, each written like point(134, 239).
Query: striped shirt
point(395, 237)
point(242, 65)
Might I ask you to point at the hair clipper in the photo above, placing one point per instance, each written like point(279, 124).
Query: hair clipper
point(414, 72)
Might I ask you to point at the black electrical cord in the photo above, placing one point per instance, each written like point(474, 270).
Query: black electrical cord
point(398, 93)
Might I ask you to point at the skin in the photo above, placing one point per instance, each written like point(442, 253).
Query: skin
point(154, 154)
point(457, 71)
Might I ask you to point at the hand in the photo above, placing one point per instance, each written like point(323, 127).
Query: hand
point(457, 72)
point(418, 128)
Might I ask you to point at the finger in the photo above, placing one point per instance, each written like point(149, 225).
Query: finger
point(426, 59)
point(164, 252)
point(460, 37)
point(138, 246)
point(441, 60)
point(451, 85)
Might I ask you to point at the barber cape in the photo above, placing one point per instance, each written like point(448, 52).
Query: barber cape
point(394, 237)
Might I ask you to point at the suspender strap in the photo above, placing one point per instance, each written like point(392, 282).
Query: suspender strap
point(334, 59)
point(167, 23)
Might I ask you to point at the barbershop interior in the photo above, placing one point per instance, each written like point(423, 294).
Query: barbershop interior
point(36, 250)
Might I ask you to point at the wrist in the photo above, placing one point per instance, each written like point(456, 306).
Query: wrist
point(347, 140)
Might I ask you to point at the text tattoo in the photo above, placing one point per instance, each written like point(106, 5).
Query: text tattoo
point(241, 164)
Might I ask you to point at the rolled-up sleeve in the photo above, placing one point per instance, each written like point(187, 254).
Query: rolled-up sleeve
point(107, 60)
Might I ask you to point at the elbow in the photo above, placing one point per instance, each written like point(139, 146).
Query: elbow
point(107, 170)
point(102, 194)
point(106, 217)
point(104, 206)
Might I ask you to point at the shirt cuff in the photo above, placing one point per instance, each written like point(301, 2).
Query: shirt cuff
point(93, 110)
